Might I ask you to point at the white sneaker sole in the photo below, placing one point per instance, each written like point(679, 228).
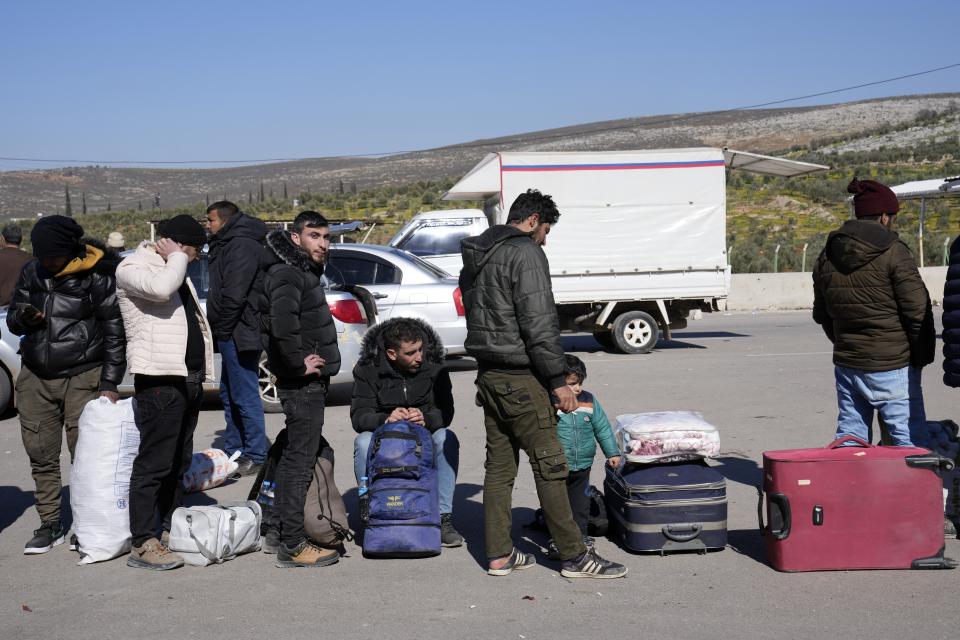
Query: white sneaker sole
point(585, 574)
point(33, 551)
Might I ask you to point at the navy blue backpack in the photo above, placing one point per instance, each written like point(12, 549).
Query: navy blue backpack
point(401, 516)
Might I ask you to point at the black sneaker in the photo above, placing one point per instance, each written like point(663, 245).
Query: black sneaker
point(49, 535)
point(590, 565)
point(449, 537)
point(74, 543)
point(270, 541)
point(553, 553)
point(246, 467)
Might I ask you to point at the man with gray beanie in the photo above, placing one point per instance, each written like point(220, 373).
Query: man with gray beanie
point(12, 259)
point(170, 351)
point(65, 307)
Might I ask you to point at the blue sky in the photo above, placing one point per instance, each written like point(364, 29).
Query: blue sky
point(243, 80)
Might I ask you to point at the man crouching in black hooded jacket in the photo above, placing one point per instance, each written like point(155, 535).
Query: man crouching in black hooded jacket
point(301, 344)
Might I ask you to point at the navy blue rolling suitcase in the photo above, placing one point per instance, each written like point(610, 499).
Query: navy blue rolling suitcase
point(667, 507)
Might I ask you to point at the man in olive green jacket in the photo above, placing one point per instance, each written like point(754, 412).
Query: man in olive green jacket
point(873, 306)
point(514, 333)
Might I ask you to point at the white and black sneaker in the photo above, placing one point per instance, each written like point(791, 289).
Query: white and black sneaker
point(590, 565)
point(49, 535)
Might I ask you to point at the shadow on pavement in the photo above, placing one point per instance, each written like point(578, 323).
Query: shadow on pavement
point(747, 542)
point(709, 334)
point(15, 501)
point(739, 469)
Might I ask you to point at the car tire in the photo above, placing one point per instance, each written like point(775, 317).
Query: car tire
point(6, 390)
point(635, 332)
point(269, 397)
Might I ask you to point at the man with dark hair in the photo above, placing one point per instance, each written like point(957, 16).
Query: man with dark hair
point(12, 259)
point(300, 339)
point(400, 376)
point(170, 351)
point(65, 307)
point(873, 306)
point(236, 260)
point(514, 333)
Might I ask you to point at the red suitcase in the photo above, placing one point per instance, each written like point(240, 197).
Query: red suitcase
point(853, 507)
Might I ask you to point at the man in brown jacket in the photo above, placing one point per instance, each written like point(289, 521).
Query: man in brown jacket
point(12, 259)
point(873, 306)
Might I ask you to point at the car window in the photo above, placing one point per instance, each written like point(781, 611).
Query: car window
point(352, 269)
point(435, 240)
point(199, 275)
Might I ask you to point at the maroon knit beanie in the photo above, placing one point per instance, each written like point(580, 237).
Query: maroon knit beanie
point(870, 198)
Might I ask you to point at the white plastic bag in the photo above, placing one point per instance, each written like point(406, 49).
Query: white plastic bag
point(217, 533)
point(666, 436)
point(107, 444)
point(208, 469)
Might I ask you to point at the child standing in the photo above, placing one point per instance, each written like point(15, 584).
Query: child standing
point(579, 433)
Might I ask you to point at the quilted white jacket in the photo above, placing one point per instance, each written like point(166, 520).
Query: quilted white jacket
point(153, 316)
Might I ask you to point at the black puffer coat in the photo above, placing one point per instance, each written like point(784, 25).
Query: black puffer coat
point(294, 318)
point(511, 316)
point(870, 300)
point(82, 328)
point(951, 319)
point(378, 388)
point(237, 256)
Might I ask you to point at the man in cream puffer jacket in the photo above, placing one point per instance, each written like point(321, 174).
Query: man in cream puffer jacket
point(170, 353)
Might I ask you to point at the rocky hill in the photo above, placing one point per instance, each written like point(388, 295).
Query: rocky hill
point(863, 125)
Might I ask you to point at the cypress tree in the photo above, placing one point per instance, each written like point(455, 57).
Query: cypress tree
point(284, 190)
point(68, 209)
point(83, 200)
point(261, 191)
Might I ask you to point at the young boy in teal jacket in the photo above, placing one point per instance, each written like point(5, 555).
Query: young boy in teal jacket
point(579, 433)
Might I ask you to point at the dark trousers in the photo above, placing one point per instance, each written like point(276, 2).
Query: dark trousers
point(578, 482)
point(166, 409)
point(303, 407)
point(518, 415)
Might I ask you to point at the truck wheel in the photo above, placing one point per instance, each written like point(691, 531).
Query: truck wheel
point(6, 390)
point(604, 338)
point(268, 388)
point(635, 332)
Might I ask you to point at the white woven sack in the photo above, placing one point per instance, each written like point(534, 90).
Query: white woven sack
point(100, 479)
point(666, 436)
point(208, 469)
point(217, 533)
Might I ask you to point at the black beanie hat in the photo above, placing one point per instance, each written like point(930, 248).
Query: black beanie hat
point(871, 198)
point(185, 230)
point(56, 237)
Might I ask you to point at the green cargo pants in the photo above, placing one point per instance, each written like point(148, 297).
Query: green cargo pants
point(518, 415)
point(46, 408)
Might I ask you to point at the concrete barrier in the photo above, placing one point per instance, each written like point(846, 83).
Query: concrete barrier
point(783, 291)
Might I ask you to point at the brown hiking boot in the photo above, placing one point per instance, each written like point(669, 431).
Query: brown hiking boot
point(154, 555)
point(305, 554)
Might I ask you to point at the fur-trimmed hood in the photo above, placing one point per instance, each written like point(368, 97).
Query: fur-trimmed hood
point(373, 350)
point(282, 248)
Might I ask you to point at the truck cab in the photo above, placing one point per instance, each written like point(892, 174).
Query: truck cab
point(435, 236)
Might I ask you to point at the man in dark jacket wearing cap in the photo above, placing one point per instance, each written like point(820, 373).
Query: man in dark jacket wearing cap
point(874, 308)
point(514, 333)
point(236, 258)
point(65, 307)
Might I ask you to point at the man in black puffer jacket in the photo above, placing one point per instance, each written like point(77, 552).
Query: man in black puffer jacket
point(65, 307)
point(301, 344)
point(237, 255)
point(400, 376)
point(951, 319)
point(873, 306)
point(514, 333)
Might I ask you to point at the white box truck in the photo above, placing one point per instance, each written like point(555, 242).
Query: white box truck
point(641, 240)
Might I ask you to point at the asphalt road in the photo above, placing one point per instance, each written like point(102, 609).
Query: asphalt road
point(764, 379)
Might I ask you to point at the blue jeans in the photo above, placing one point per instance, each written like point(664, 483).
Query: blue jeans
point(242, 409)
point(860, 392)
point(446, 445)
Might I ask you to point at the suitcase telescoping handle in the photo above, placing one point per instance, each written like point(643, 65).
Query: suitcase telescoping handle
point(780, 516)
